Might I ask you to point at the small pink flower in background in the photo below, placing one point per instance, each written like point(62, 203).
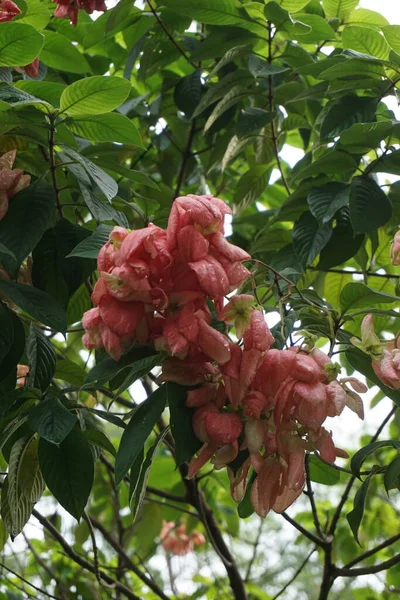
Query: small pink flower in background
point(11, 180)
point(8, 10)
point(177, 541)
point(395, 250)
point(22, 373)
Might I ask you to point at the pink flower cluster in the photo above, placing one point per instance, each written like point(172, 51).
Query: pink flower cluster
point(70, 8)
point(262, 408)
point(177, 541)
point(11, 180)
point(8, 10)
point(273, 404)
point(154, 284)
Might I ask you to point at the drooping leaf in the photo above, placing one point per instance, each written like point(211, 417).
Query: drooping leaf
point(41, 358)
point(322, 473)
point(138, 430)
point(370, 207)
point(309, 238)
point(36, 303)
point(89, 247)
point(68, 470)
point(340, 114)
point(355, 516)
point(30, 211)
point(325, 201)
point(186, 443)
point(356, 294)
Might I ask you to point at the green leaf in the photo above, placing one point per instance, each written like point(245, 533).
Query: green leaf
point(361, 137)
point(284, 22)
point(231, 55)
point(90, 247)
point(94, 95)
point(356, 295)
point(340, 114)
point(138, 430)
point(30, 211)
point(100, 209)
point(186, 443)
point(68, 471)
point(309, 238)
point(220, 89)
point(5, 250)
point(35, 14)
point(359, 457)
point(59, 53)
point(338, 8)
point(332, 162)
point(225, 12)
point(354, 68)
point(138, 370)
point(320, 29)
point(366, 40)
point(20, 44)
point(392, 35)
point(251, 120)
point(136, 176)
point(30, 479)
point(389, 163)
point(110, 127)
point(52, 271)
point(13, 489)
point(6, 332)
point(69, 371)
point(370, 207)
point(391, 478)
point(368, 18)
point(293, 5)
point(99, 177)
point(322, 473)
point(343, 245)
point(14, 518)
point(355, 516)
point(187, 93)
point(326, 200)
point(99, 438)
point(139, 478)
point(36, 303)
point(51, 420)
point(136, 360)
point(362, 363)
point(259, 67)
point(235, 95)
point(13, 344)
point(41, 358)
point(45, 90)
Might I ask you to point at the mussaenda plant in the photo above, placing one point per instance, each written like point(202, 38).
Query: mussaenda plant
point(169, 289)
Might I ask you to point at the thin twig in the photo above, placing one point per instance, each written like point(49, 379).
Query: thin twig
point(310, 494)
point(297, 573)
point(185, 158)
point(305, 532)
point(70, 552)
point(373, 551)
point(255, 548)
point(169, 36)
point(2, 565)
point(346, 272)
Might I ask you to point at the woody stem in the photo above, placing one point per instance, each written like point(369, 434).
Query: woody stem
point(53, 165)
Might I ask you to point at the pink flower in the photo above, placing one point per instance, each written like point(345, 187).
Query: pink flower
point(8, 10)
point(22, 371)
point(176, 540)
point(11, 180)
point(387, 367)
point(395, 250)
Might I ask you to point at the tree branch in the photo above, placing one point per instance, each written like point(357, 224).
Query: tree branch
point(127, 560)
point(169, 36)
point(305, 532)
point(70, 552)
point(373, 551)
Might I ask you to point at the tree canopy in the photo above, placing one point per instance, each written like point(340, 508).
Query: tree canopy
point(199, 270)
